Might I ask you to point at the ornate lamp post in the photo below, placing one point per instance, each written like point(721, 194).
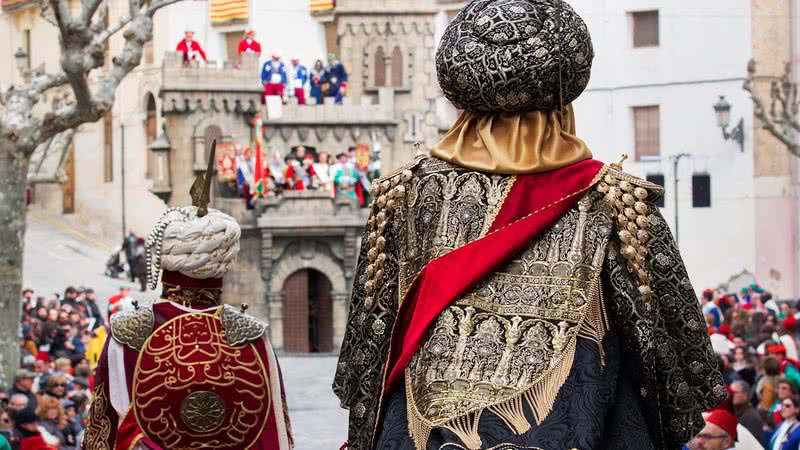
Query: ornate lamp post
point(162, 183)
point(723, 111)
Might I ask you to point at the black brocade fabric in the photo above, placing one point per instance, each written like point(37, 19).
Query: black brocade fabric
point(596, 409)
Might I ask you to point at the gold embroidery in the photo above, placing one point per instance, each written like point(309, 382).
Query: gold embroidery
point(168, 368)
point(512, 340)
point(132, 328)
point(98, 431)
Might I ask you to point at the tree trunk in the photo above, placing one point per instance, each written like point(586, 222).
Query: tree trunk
point(13, 174)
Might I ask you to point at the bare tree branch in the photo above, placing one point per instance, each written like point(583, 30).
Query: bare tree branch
point(782, 119)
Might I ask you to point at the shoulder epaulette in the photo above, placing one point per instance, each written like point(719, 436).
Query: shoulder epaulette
point(132, 328)
point(241, 328)
point(631, 199)
point(408, 167)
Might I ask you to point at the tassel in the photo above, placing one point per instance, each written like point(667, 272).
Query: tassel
point(542, 396)
point(418, 430)
point(595, 324)
point(513, 415)
point(466, 429)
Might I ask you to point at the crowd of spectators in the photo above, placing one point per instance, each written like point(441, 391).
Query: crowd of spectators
point(756, 339)
point(61, 338)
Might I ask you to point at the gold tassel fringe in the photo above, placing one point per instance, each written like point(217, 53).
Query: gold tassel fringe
point(540, 398)
point(466, 428)
point(595, 324)
point(513, 414)
point(418, 429)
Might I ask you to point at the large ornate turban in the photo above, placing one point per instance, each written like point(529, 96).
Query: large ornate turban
point(196, 247)
point(514, 56)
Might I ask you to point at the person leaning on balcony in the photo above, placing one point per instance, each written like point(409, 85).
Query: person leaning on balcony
point(249, 44)
point(190, 48)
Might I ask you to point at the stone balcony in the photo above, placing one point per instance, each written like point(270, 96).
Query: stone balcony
point(366, 111)
point(210, 87)
point(301, 213)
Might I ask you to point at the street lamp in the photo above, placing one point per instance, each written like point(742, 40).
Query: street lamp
point(21, 58)
point(723, 111)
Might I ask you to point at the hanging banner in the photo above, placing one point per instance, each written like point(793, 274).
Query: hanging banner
point(226, 161)
point(224, 11)
point(322, 5)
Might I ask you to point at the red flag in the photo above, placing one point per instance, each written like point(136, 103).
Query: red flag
point(260, 176)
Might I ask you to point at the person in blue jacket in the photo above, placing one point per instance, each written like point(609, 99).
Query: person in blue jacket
point(336, 76)
point(273, 76)
point(298, 76)
point(787, 435)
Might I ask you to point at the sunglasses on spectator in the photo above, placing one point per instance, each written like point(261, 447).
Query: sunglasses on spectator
point(60, 385)
point(709, 437)
point(788, 405)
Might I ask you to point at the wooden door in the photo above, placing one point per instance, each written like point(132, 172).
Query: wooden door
point(320, 313)
point(295, 313)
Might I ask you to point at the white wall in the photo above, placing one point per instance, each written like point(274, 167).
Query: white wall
point(703, 53)
point(281, 25)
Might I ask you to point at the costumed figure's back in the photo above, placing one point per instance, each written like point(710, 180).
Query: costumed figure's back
point(188, 372)
point(511, 291)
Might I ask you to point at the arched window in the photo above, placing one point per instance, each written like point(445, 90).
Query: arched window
point(397, 67)
point(151, 133)
point(380, 67)
point(211, 133)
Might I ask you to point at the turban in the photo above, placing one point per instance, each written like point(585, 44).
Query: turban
point(514, 56)
point(196, 247)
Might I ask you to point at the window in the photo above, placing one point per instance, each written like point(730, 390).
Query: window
point(658, 179)
point(151, 130)
point(380, 68)
point(26, 45)
point(701, 190)
point(108, 147)
point(647, 129)
point(212, 133)
point(397, 67)
point(645, 29)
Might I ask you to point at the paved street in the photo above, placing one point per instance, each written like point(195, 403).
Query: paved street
point(317, 420)
point(58, 254)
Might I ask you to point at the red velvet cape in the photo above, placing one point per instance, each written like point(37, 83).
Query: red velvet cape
point(534, 204)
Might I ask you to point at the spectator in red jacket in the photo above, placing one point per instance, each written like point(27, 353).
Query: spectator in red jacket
point(249, 44)
point(26, 432)
point(191, 49)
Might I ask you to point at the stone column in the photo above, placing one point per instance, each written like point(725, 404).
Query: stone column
point(275, 307)
point(340, 300)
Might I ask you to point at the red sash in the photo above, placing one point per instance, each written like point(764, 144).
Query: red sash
point(533, 205)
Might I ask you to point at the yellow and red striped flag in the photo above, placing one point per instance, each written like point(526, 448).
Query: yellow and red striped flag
point(322, 5)
point(228, 10)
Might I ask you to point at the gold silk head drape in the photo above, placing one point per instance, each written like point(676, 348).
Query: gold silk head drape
point(513, 143)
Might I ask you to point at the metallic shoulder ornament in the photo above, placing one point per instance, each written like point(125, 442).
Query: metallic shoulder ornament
point(200, 193)
point(628, 197)
point(240, 328)
point(132, 328)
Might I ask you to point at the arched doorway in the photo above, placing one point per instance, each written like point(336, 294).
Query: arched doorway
point(307, 313)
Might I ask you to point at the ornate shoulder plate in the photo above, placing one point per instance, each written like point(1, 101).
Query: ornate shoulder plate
point(241, 328)
point(132, 328)
point(630, 198)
